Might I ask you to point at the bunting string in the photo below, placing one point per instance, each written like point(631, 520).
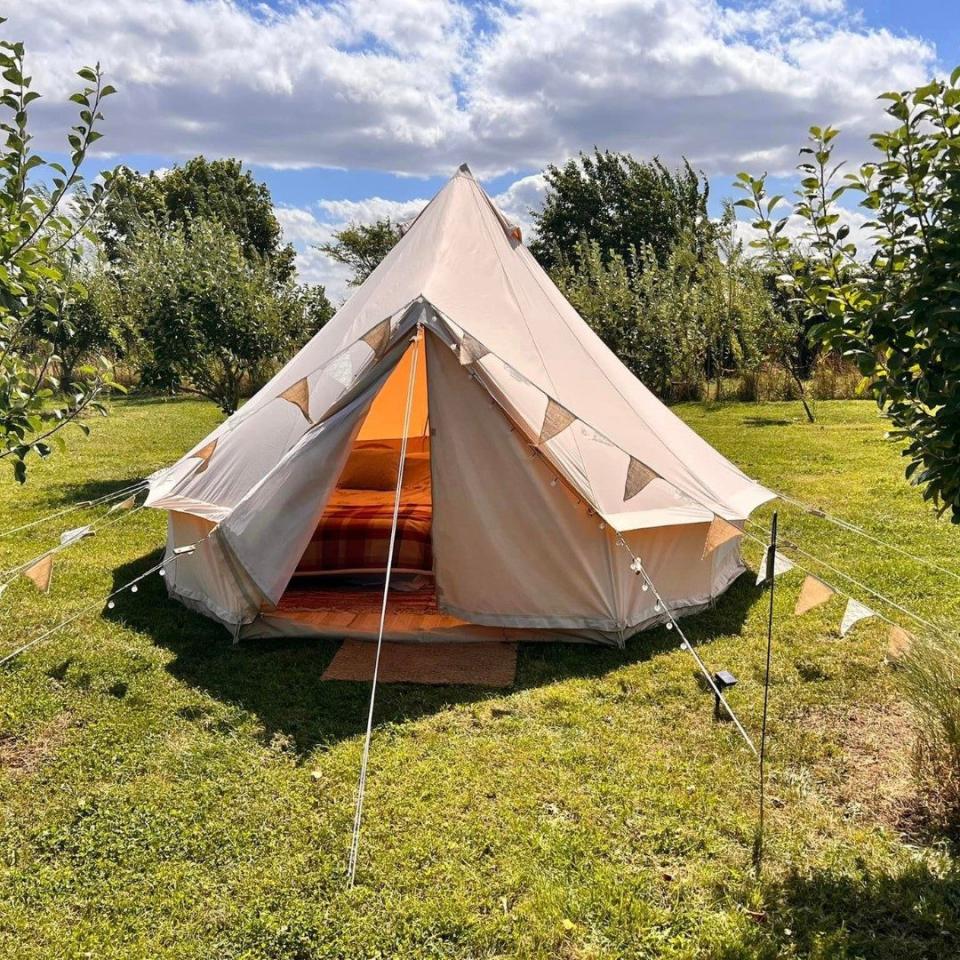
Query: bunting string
point(816, 591)
point(181, 552)
point(860, 532)
point(338, 366)
point(133, 489)
point(75, 536)
point(789, 545)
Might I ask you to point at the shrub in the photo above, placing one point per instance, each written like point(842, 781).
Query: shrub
point(213, 321)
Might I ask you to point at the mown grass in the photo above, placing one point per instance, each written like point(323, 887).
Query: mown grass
point(166, 795)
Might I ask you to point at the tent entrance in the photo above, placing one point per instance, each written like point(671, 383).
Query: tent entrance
point(338, 582)
point(353, 534)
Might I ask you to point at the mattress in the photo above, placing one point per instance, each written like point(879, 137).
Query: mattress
point(353, 534)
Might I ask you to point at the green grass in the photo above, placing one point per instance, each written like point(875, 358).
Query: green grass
point(166, 795)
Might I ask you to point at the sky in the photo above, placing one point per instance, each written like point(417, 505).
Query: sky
point(351, 110)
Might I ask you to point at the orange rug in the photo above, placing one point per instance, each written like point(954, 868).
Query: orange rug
point(318, 595)
point(472, 664)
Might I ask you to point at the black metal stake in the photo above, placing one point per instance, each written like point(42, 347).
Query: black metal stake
point(771, 581)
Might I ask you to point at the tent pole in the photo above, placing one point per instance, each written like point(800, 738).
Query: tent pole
point(771, 579)
point(361, 786)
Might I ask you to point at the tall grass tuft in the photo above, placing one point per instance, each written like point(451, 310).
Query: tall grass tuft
point(931, 680)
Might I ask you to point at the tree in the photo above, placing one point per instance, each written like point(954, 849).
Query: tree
point(199, 190)
point(213, 321)
point(42, 233)
point(361, 247)
point(90, 327)
point(315, 306)
point(674, 325)
point(621, 204)
point(895, 309)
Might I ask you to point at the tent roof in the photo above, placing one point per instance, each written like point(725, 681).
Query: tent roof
point(463, 259)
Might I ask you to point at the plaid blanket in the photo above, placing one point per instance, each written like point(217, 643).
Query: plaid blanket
point(356, 537)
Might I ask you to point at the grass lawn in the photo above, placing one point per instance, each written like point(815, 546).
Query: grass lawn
point(166, 795)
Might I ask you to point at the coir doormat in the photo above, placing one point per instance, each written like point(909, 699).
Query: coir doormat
point(473, 664)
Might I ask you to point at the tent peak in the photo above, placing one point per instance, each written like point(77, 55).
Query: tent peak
point(464, 171)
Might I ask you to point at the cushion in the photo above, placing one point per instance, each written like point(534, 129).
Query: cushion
point(371, 469)
point(375, 468)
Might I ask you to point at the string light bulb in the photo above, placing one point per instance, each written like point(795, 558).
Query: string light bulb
point(110, 604)
point(162, 572)
point(645, 587)
point(669, 624)
point(134, 588)
point(636, 565)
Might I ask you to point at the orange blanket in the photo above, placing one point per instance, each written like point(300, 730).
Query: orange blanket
point(354, 533)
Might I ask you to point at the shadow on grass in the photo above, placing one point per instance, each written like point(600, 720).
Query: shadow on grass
point(768, 422)
point(278, 680)
point(70, 494)
point(912, 914)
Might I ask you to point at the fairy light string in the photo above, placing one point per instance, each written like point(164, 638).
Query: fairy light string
point(638, 567)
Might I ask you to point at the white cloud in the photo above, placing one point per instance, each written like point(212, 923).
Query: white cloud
point(521, 198)
point(674, 77)
point(307, 228)
point(416, 86)
point(371, 209)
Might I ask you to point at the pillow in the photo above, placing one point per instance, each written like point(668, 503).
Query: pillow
point(370, 470)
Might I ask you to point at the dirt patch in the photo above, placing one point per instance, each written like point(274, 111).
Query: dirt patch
point(21, 756)
point(872, 778)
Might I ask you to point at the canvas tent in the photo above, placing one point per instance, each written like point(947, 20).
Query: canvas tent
point(533, 456)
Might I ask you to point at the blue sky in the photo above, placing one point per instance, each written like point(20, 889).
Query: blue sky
point(352, 109)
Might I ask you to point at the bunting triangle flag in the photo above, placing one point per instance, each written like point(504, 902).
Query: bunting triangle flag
point(41, 573)
point(78, 533)
point(340, 368)
point(471, 350)
point(812, 594)
point(299, 395)
point(204, 454)
point(378, 338)
point(781, 564)
point(555, 420)
point(719, 532)
point(638, 476)
point(898, 642)
point(855, 612)
point(123, 504)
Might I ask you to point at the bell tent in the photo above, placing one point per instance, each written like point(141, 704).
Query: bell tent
point(460, 420)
